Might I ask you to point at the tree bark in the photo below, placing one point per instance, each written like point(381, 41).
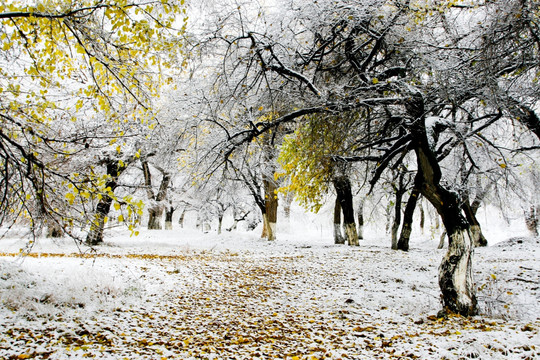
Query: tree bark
point(406, 229)
point(342, 185)
point(338, 236)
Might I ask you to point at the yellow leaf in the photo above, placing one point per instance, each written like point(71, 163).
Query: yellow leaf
point(116, 206)
point(70, 198)
point(375, 81)
point(493, 277)
point(121, 218)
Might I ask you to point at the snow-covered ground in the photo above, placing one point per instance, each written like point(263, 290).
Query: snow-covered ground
point(182, 294)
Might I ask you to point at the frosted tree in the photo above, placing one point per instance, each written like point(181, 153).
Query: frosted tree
point(74, 76)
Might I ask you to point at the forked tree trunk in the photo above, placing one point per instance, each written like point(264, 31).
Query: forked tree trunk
point(476, 230)
point(344, 195)
point(271, 206)
point(360, 215)
point(338, 236)
point(406, 229)
point(455, 272)
point(155, 212)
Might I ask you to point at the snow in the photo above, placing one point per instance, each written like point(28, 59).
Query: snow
point(187, 295)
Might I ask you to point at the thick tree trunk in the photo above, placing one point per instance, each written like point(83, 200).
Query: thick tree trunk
point(95, 235)
point(360, 216)
point(154, 217)
point(344, 195)
point(338, 236)
point(271, 206)
point(455, 272)
point(406, 229)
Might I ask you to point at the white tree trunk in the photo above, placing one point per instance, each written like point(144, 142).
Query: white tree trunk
point(455, 274)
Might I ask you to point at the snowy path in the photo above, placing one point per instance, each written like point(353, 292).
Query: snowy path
point(280, 300)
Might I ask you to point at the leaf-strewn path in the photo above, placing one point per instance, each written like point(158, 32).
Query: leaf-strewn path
point(281, 301)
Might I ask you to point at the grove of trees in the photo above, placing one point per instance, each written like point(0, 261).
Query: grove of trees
point(133, 110)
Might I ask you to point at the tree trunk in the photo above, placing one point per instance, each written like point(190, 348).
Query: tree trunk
point(264, 234)
point(406, 229)
point(422, 217)
point(360, 216)
point(155, 212)
point(338, 236)
point(531, 220)
point(168, 217)
point(54, 230)
point(95, 235)
point(288, 199)
point(441, 240)
point(476, 231)
point(455, 272)
point(154, 217)
point(181, 218)
point(220, 223)
point(271, 206)
point(400, 191)
point(344, 195)
point(97, 225)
